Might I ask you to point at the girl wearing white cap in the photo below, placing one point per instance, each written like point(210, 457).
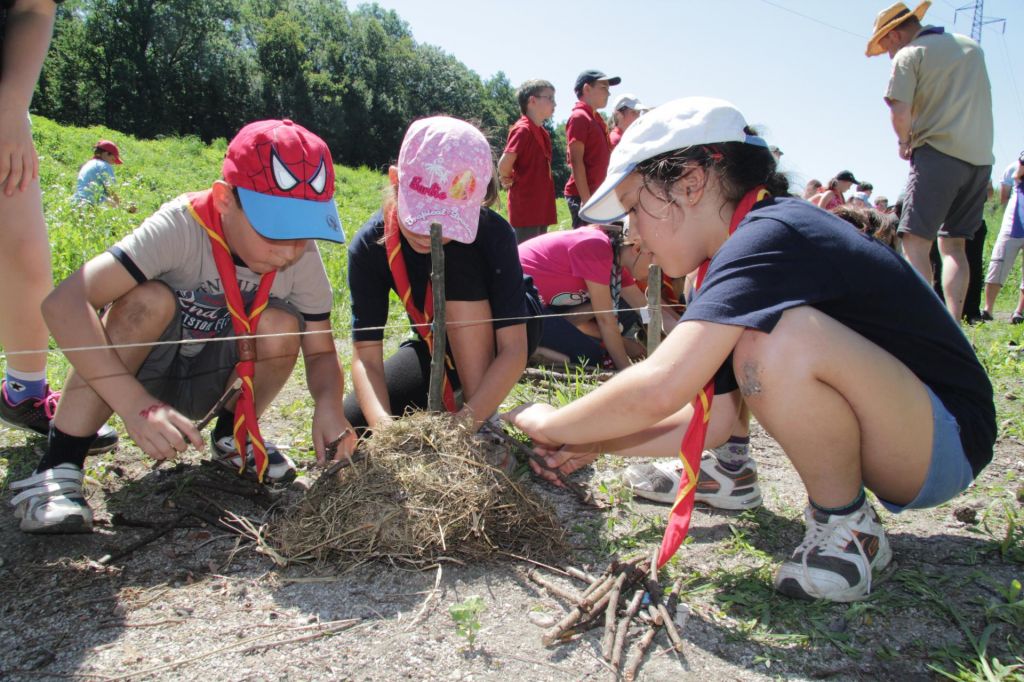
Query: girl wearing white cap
point(862, 389)
point(444, 174)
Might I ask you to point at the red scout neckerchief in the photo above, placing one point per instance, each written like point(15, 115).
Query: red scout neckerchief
point(246, 427)
point(421, 319)
point(693, 440)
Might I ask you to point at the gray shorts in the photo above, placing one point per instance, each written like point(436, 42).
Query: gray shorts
point(945, 196)
point(193, 384)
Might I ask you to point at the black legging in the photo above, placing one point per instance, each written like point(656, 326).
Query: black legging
point(407, 374)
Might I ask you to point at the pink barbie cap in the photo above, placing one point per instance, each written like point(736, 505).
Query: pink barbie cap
point(444, 169)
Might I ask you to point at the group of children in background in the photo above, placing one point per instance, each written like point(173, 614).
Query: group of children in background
point(228, 282)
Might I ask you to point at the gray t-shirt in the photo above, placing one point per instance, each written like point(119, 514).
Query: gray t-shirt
point(172, 247)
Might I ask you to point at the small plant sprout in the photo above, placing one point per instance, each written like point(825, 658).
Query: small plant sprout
point(467, 617)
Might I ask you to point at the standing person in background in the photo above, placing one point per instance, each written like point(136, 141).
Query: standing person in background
point(96, 176)
point(1008, 244)
point(525, 166)
point(626, 109)
point(866, 188)
point(27, 403)
point(586, 137)
point(882, 204)
point(940, 100)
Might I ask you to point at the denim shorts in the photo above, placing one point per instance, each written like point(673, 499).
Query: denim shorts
point(950, 473)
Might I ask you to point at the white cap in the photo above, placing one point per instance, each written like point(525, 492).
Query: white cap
point(629, 101)
point(678, 124)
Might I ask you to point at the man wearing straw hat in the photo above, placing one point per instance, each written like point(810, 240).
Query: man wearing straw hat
point(941, 104)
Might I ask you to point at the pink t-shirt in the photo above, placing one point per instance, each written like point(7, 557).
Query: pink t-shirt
point(561, 263)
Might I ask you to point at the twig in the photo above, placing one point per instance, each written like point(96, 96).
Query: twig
point(654, 306)
point(232, 391)
point(641, 649)
point(582, 494)
point(435, 396)
point(580, 574)
point(565, 593)
point(609, 617)
point(533, 374)
point(623, 629)
point(302, 638)
point(558, 630)
point(155, 535)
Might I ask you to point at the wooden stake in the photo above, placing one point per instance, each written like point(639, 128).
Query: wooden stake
point(623, 628)
point(435, 398)
point(610, 619)
point(654, 307)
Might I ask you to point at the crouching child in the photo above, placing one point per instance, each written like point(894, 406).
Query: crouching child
point(234, 260)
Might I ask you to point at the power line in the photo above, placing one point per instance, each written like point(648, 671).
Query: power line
point(817, 21)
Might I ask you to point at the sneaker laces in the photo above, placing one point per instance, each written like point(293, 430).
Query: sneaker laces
point(48, 402)
point(818, 536)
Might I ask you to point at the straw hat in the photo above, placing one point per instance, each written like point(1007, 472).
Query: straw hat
point(890, 18)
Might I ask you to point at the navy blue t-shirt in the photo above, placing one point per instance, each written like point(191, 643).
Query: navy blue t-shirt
point(788, 253)
point(488, 269)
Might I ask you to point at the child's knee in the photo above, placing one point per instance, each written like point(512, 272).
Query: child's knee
point(144, 312)
point(278, 335)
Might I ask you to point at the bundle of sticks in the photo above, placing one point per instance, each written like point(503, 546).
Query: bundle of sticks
point(603, 603)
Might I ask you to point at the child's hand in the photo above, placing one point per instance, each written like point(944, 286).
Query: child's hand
point(19, 163)
point(326, 434)
point(565, 459)
point(530, 419)
point(161, 431)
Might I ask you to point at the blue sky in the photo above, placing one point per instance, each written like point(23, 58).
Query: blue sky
point(795, 68)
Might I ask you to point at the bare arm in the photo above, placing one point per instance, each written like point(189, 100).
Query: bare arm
point(29, 28)
point(608, 323)
point(640, 396)
point(369, 383)
point(579, 170)
point(70, 313)
point(326, 382)
point(489, 362)
point(506, 166)
point(901, 124)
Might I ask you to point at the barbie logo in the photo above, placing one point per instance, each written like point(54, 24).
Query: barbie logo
point(433, 191)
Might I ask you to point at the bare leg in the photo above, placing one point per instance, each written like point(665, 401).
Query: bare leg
point(955, 274)
point(139, 316)
point(276, 355)
point(845, 411)
point(991, 292)
point(25, 277)
point(917, 251)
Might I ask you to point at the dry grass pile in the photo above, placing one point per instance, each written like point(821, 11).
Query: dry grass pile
point(423, 491)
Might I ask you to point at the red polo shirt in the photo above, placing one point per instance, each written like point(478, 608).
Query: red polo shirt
point(587, 126)
point(531, 198)
point(614, 136)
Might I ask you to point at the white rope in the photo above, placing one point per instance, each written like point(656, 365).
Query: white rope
point(410, 325)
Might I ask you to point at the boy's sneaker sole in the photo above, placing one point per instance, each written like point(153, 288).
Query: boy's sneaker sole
point(837, 557)
point(52, 502)
point(717, 486)
point(280, 468)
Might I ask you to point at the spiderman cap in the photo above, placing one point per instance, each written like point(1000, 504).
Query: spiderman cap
point(284, 176)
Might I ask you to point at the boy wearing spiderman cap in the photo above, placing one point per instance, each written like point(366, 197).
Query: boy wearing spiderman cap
point(235, 260)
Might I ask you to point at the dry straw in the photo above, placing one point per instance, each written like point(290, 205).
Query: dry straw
point(427, 489)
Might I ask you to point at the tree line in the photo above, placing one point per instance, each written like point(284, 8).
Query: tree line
point(206, 67)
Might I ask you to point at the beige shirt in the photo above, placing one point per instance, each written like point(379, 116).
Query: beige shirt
point(171, 246)
point(944, 79)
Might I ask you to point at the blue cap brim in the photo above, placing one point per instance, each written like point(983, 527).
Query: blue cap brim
point(287, 218)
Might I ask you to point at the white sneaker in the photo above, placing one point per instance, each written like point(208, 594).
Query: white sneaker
point(717, 486)
point(836, 557)
point(52, 501)
point(280, 467)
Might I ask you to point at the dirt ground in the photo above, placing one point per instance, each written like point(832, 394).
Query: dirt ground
point(198, 605)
